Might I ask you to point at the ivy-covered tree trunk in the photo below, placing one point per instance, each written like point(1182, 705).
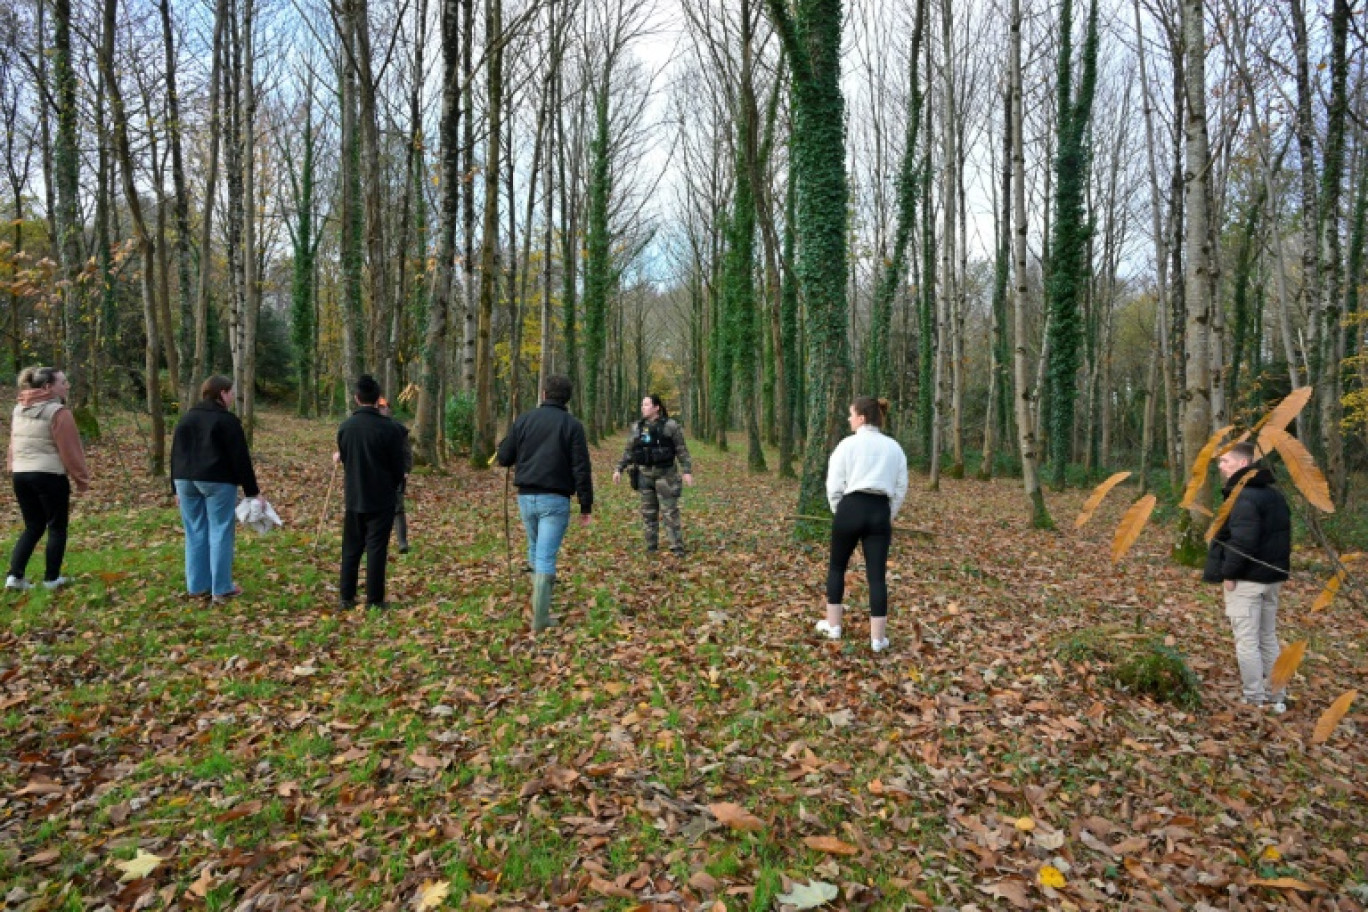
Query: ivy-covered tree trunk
point(302, 272)
point(811, 33)
point(598, 264)
point(741, 281)
point(878, 375)
point(788, 336)
point(1069, 266)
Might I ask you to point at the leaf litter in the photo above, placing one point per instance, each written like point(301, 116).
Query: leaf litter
point(275, 751)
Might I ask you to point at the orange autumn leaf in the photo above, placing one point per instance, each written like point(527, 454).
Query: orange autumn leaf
point(1289, 660)
point(1327, 595)
point(1197, 477)
point(736, 817)
point(1131, 525)
point(1095, 500)
point(1305, 474)
point(1281, 416)
point(830, 844)
point(1331, 717)
point(1224, 513)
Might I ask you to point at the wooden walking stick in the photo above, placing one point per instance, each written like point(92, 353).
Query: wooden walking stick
point(327, 499)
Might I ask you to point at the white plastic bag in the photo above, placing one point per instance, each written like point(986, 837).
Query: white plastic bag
point(258, 515)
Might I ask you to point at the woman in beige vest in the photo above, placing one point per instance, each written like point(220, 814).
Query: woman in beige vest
point(45, 457)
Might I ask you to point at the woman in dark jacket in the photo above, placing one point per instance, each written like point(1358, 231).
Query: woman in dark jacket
point(209, 460)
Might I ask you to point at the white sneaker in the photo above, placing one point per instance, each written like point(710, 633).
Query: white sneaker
point(57, 583)
point(17, 582)
point(1277, 708)
point(879, 645)
point(828, 631)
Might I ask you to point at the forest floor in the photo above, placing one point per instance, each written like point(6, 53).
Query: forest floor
point(684, 741)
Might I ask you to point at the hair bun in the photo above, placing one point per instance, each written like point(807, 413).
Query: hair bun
point(883, 405)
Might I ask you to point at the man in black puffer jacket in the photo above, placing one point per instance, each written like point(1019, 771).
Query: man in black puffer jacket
point(548, 446)
point(1250, 557)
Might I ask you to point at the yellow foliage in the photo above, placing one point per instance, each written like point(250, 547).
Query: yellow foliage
point(1050, 876)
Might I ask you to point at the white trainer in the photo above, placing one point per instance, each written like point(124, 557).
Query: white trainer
point(58, 583)
point(828, 631)
point(879, 645)
point(17, 582)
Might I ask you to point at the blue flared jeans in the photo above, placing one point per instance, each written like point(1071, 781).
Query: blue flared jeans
point(207, 513)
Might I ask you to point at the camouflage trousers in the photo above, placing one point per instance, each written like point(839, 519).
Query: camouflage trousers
point(660, 490)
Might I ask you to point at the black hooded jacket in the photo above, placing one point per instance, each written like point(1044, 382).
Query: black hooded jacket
point(1255, 544)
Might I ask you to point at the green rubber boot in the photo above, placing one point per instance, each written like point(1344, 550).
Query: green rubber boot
point(542, 584)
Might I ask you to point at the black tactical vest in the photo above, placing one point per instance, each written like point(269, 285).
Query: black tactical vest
point(652, 446)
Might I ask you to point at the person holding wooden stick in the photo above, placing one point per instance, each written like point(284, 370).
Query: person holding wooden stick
point(370, 448)
point(866, 484)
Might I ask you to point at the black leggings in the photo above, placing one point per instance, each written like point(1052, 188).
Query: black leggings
point(45, 500)
point(861, 518)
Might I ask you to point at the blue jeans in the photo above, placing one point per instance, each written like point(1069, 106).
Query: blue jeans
point(207, 512)
point(545, 517)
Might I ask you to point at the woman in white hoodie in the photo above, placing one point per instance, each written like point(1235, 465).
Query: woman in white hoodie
point(45, 457)
point(866, 484)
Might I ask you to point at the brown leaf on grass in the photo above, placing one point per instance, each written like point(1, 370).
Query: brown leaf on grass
point(1325, 726)
point(1283, 883)
point(431, 895)
point(1306, 475)
point(736, 817)
point(1327, 594)
point(1098, 495)
point(1131, 526)
point(1016, 892)
point(1197, 478)
point(704, 882)
point(1277, 420)
point(830, 845)
point(1289, 660)
point(1224, 513)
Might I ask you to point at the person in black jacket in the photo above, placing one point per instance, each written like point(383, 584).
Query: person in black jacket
point(1250, 557)
point(370, 448)
point(549, 449)
point(209, 460)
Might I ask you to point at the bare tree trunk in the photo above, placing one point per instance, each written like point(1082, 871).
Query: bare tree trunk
point(426, 431)
point(201, 313)
point(1026, 437)
point(119, 122)
point(1197, 278)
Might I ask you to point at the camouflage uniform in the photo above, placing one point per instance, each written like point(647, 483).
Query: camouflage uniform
point(660, 483)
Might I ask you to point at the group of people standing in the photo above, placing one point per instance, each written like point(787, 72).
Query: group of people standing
point(547, 448)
